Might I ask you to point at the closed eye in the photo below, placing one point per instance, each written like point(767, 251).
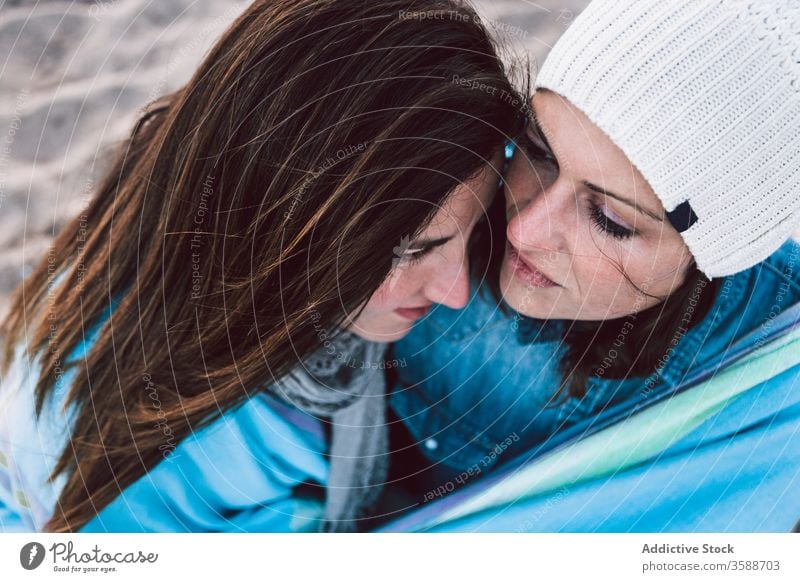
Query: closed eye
point(422, 248)
point(606, 225)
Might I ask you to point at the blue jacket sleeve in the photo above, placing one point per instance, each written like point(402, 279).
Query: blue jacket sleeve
point(243, 473)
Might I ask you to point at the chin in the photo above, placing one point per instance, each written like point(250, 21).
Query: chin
point(530, 301)
point(386, 335)
point(536, 305)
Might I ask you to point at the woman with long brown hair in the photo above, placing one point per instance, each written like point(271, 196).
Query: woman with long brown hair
point(203, 350)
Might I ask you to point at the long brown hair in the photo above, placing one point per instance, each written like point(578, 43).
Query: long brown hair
point(265, 195)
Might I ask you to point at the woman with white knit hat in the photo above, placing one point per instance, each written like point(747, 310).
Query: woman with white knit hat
point(677, 123)
point(650, 205)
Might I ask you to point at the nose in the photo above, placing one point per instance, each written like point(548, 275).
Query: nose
point(540, 222)
point(449, 285)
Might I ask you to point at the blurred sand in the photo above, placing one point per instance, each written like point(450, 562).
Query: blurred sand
point(75, 75)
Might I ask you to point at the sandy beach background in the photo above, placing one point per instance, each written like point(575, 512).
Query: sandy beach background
point(74, 76)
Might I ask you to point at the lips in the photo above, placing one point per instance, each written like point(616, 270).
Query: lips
point(413, 313)
point(526, 271)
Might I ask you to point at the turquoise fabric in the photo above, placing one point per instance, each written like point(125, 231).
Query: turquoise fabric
point(239, 474)
point(723, 455)
point(260, 468)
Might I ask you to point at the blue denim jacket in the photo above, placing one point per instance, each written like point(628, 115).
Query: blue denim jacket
point(476, 388)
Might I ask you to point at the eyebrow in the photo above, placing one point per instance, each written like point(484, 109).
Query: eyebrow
point(624, 200)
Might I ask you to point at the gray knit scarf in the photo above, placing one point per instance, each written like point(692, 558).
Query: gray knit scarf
point(344, 382)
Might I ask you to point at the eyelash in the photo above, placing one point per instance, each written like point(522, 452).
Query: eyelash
point(416, 257)
point(606, 225)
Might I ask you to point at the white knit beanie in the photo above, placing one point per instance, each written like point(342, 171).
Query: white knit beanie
point(703, 96)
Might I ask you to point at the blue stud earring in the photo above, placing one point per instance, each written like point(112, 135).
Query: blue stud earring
point(508, 154)
point(510, 147)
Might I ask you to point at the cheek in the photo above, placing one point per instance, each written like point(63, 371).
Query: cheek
point(393, 293)
point(605, 293)
point(659, 267)
point(599, 280)
point(379, 301)
point(604, 268)
point(618, 286)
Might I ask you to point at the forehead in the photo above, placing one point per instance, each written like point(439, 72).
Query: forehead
point(585, 152)
point(469, 200)
point(565, 127)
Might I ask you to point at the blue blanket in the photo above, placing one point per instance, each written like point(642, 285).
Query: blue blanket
point(720, 453)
